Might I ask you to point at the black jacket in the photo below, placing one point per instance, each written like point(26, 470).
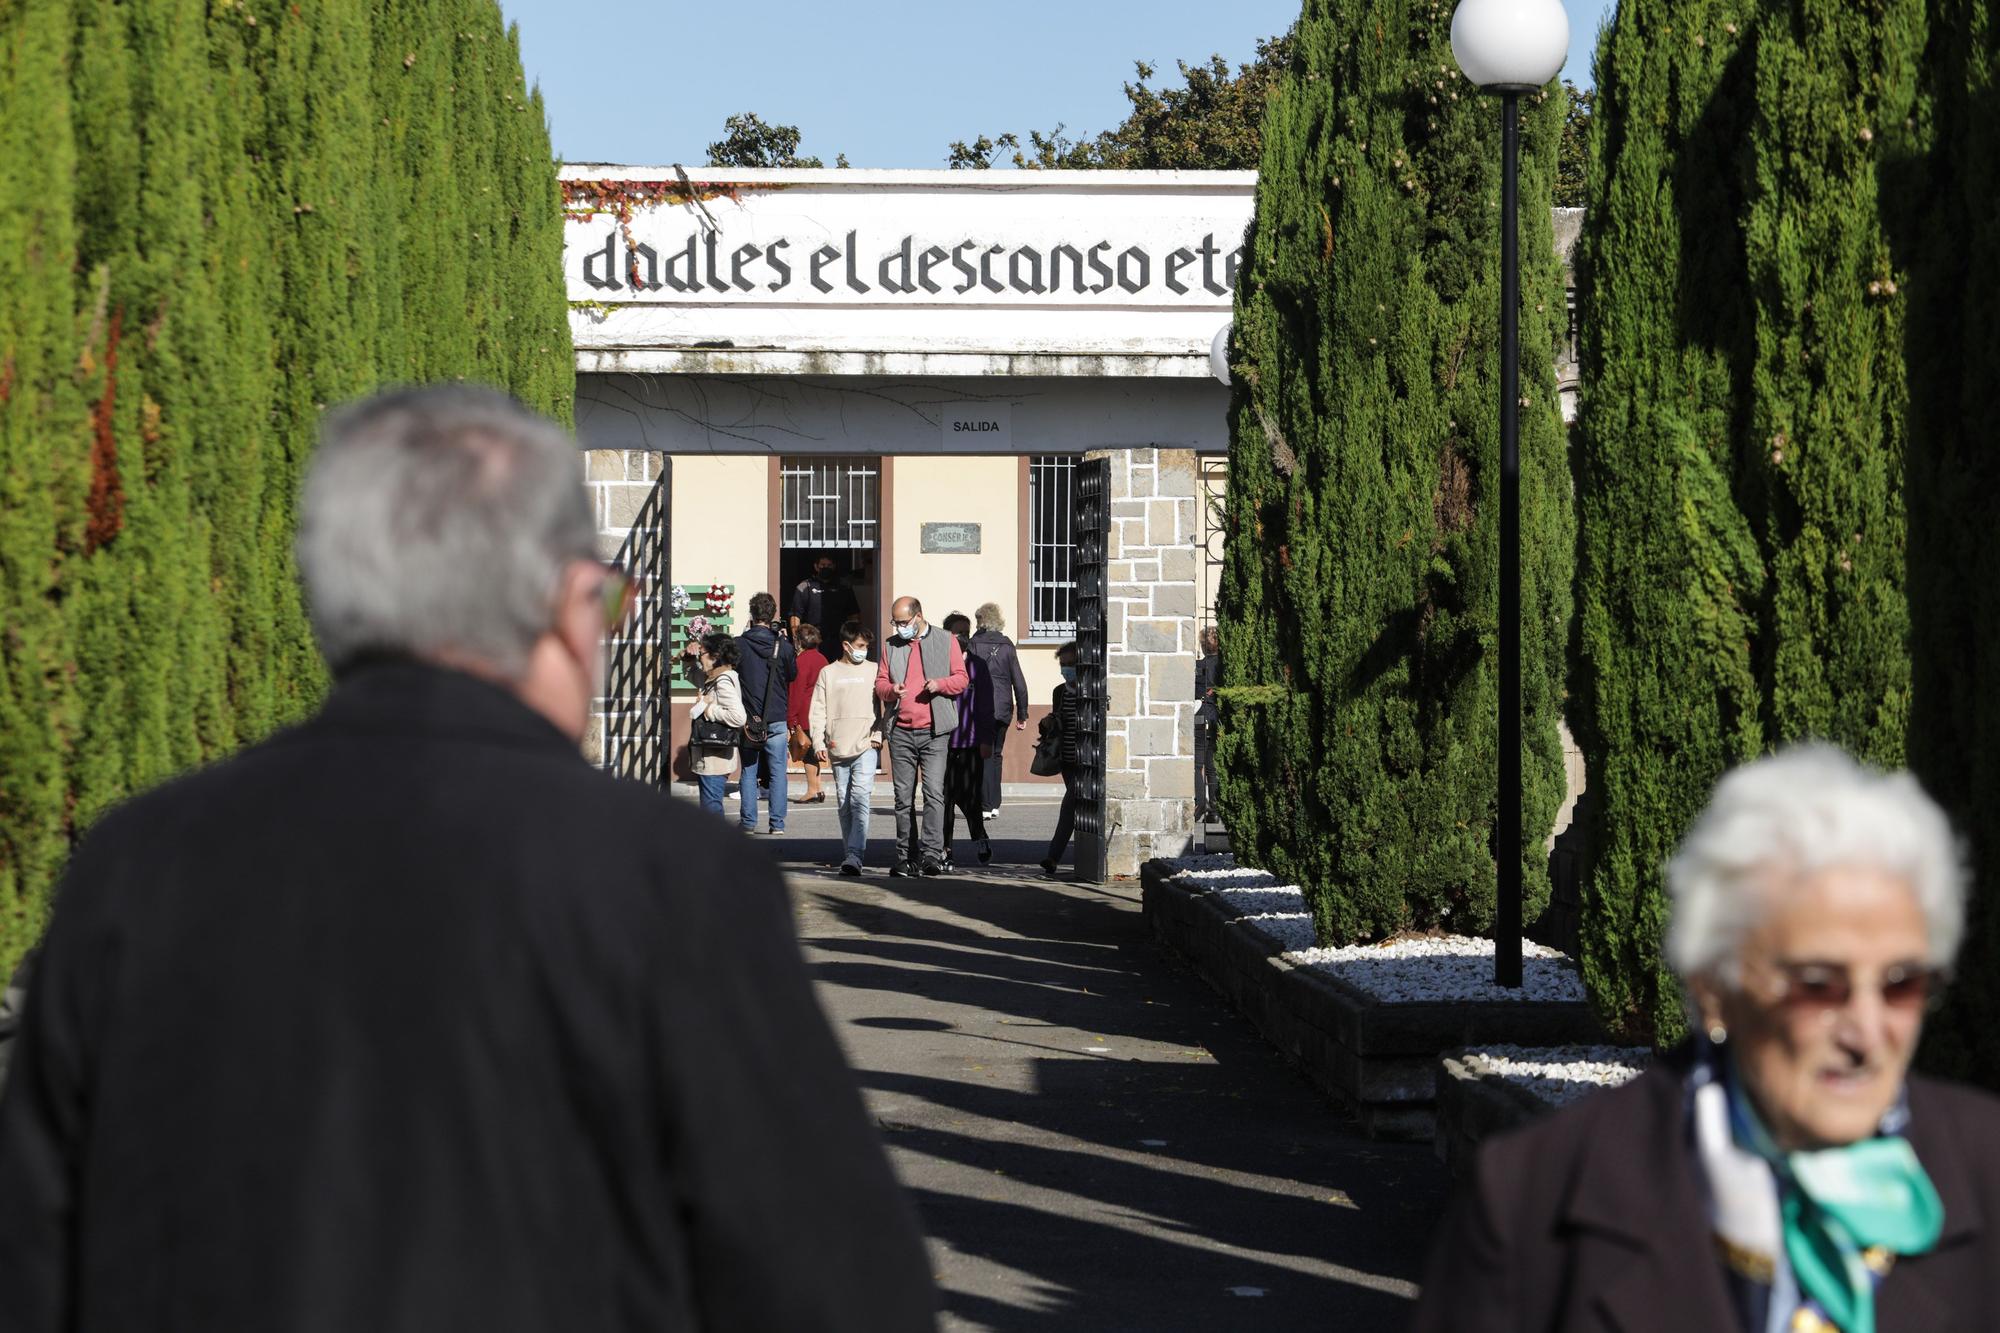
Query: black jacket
point(409, 1020)
point(1207, 676)
point(760, 644)
point(1003, 665)
point(1592, 1219)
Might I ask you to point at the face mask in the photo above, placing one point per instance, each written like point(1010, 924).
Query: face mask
point(907, 631)
point(1069, 675)
point(857, 654)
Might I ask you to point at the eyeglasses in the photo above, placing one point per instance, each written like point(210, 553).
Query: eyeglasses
point(1824, 987)
point(618, 593)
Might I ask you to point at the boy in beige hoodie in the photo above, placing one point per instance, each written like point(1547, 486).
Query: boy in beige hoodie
point(846, 734)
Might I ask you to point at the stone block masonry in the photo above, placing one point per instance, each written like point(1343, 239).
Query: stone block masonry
point(1150, 647)
point(618, 481)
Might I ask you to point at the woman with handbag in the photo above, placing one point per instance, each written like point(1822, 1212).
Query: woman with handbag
point(717, 718)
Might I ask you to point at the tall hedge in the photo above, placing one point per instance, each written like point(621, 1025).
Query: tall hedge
point(1358, 607)
point(1742, 431)
point(215, 220)
point(1949, 228)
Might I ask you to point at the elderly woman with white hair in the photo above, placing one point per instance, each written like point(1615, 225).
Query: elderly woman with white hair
point(1782, 1171)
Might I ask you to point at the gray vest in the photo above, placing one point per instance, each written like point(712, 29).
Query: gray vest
point(936, 646)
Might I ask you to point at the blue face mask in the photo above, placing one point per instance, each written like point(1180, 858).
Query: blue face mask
point(1069, 675)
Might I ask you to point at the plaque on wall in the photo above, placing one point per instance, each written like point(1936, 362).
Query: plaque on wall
point(950, 539)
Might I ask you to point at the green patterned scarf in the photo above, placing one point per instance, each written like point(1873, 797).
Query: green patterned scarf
point(1838, 1206)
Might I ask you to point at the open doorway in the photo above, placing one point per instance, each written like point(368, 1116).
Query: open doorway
point(830, 510)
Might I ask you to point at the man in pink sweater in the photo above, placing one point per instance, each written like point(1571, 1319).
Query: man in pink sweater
point(922, 673)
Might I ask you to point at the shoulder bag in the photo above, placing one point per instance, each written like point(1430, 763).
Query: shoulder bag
point(706, 730)
point(1047, 762)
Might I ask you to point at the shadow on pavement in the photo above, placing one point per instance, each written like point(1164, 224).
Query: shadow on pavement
point(1095, 1136)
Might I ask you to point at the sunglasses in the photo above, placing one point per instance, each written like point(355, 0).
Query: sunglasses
point(1824, 987)
point(618, 593)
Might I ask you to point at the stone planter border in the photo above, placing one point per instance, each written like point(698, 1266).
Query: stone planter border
point(1378, 1059)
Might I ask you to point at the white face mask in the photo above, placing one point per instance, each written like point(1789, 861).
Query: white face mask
point(857, 654)
point(906, 630)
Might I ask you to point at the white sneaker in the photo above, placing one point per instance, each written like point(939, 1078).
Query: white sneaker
point(991, 815)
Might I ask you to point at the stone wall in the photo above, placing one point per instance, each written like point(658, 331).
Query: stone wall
point(618, 481)
point(1154, 590)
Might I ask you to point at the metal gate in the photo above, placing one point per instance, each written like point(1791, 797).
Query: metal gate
point(635, 711)
point(1092, 529)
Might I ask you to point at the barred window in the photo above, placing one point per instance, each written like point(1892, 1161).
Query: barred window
point(1051, 555)
point(829, 503)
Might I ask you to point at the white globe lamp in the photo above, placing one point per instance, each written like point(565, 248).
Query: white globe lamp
point(1510, 45)
point(1218, 354)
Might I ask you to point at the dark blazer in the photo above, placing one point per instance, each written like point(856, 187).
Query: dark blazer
point(1003, 664)
point(410, 1020)
point(761, 646)
point(1593, 1219)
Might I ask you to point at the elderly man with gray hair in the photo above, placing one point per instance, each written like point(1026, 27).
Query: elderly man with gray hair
point(409, 1019)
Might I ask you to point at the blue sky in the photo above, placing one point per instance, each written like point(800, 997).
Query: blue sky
point(888, 82)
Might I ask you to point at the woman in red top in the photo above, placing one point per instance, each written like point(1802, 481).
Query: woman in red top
point(798, 707)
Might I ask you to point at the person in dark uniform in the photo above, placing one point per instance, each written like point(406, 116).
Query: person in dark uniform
point(824, 599)
point(1062, 719)
point(410, 1018)
point(1207, 677)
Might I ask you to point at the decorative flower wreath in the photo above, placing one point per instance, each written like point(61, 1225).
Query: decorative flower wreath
point(698, 628)
point(679, 600)
point(719, 599)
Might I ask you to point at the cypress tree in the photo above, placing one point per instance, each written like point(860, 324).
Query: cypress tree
point(42, 447)
point(215, 220)
point(1951, 234)
point(1360, 586)
point(1740, 459)
point(1822, 480)
point(1670, 577)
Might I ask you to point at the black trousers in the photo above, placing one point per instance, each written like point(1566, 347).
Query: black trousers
point(1204, 767)
point(991, 796)
point(964, 771)
point(1066, 817)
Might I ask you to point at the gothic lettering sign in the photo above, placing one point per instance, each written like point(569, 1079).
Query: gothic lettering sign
point(902, 272)
point(950, 538)
point(955, 245)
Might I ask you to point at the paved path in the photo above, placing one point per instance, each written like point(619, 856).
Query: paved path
point(1096, 1142)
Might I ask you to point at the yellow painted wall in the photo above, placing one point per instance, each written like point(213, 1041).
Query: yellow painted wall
point(721, 529)
point(962, 489)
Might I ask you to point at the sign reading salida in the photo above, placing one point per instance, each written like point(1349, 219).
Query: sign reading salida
point(706, 266)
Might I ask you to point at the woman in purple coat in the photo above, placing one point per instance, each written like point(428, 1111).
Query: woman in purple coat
point(971, 743)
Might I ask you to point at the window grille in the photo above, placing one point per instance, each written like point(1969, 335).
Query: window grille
point(830, 503)
point(1051, 549)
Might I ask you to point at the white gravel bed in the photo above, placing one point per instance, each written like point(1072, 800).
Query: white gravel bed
point(1220, 869)
point(1247, 901)
point(1443, 967)
point(1288, 930)
point(1559, 1074)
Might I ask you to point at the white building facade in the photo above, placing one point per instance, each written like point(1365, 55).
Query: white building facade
point(903, 369)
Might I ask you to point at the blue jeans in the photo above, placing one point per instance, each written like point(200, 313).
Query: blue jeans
point(775, 751)
point(712, 791)
point(853, 787)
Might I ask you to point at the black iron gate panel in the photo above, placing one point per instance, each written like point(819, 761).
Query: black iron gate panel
point(636, 715)
point(1092, 531)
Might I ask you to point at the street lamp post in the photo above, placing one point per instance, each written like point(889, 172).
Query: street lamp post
point(1509, 47)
